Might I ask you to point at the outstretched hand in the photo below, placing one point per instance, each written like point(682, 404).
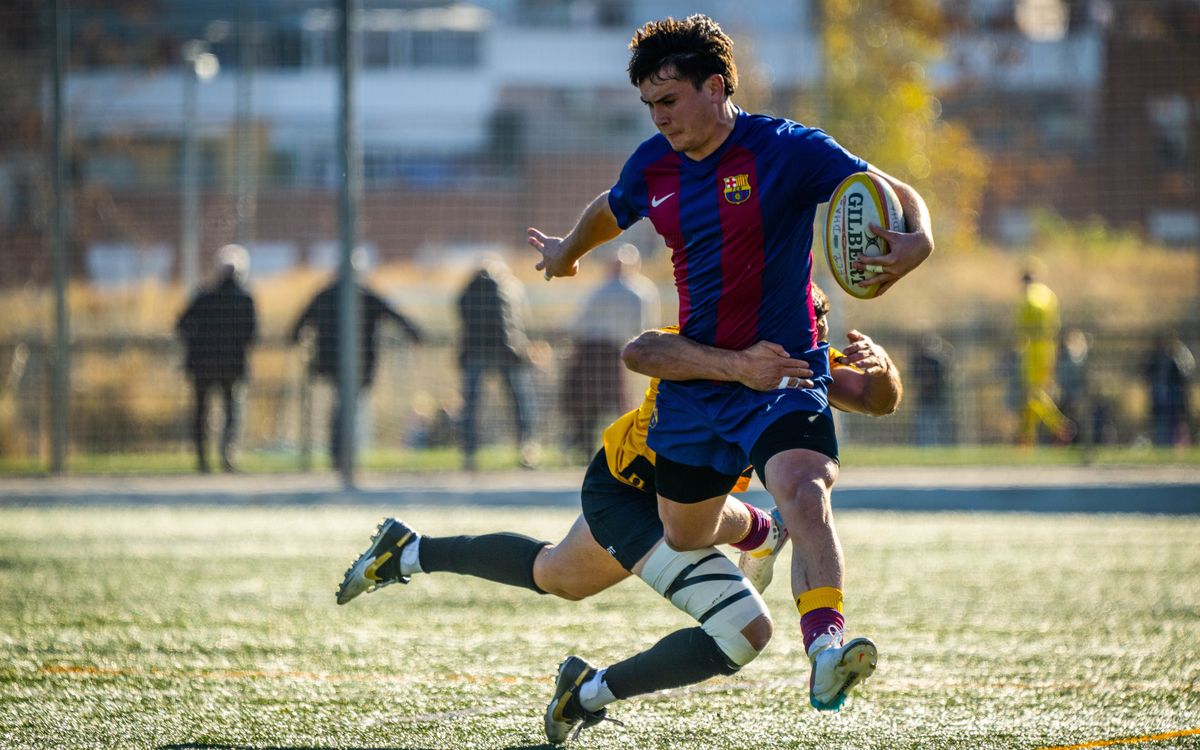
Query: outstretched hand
point(554, 260)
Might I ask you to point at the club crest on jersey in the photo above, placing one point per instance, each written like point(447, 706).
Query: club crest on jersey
point(737, 188)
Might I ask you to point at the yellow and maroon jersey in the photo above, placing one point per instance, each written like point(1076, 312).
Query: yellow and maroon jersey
point(835, 360)
point(631, 460)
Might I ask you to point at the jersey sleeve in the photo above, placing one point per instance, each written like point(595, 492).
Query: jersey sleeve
point(818, 163)
point(837, 360)
point(627, 198)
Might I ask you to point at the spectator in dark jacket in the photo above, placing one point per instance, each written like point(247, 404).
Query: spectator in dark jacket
point(1169, 369)
point(492, 310)
point(931, 371)
point(217, 328)
point(321, 315)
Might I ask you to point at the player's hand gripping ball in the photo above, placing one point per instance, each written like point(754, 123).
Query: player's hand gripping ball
point(861, 200)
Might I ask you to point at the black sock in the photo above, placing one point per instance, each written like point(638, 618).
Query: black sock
point(503, 558)
point(684, 657)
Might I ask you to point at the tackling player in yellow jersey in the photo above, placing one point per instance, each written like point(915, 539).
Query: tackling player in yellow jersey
point(620, 534)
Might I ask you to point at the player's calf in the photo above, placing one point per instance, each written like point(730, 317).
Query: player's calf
point(397, 553)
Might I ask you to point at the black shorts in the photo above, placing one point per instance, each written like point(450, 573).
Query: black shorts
point(686, 484)
point(623, 519)
point(800, 429)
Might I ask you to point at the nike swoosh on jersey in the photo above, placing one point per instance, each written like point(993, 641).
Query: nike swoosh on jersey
point(655, 202)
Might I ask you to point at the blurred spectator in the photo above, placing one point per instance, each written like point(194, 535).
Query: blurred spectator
point(931, 373)
point(492, 311)
point(1075, 387)
point(1169, 372)
point(321, 316)
point(595, 384)
point(1037, 343)
point(430, 424)
point(216, 329)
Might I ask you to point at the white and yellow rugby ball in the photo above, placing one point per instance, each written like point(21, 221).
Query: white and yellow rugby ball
point(862, 199)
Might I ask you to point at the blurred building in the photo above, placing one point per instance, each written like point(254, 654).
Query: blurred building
point(1087, 107)
point(469, 111)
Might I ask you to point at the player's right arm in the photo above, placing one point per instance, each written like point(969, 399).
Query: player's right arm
point(909, 249)
point(560, 255)
point(669, 356)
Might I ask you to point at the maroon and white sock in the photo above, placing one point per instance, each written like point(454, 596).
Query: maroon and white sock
point(816, 623)
point(760, 527)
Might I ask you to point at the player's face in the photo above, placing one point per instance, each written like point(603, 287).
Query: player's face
point(822, 328)
point(687, 116)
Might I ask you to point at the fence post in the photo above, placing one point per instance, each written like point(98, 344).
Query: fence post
point(347, 297)
point(60, 397)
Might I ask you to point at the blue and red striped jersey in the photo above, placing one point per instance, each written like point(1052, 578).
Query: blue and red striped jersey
point(740, 226)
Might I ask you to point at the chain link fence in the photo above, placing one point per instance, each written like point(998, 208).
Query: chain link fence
point(190, 126)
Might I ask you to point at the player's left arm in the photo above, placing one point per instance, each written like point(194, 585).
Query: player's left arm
point(560, 255)
point(670, 356)
point(871, 385)
point(906, 250)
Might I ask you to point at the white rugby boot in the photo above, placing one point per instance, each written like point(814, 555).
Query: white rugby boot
point(837, 668)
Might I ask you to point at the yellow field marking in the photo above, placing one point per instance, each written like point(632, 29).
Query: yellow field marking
point(1126, 740)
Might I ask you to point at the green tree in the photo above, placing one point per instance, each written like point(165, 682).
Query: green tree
point(879, 103)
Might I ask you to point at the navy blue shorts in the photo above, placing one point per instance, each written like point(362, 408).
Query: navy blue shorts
point(717, 425)
point(623, 519)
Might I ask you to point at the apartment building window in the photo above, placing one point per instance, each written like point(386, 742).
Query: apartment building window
point(318, 49)
point(441, 48)
point(284, 49)
point(404, 48)
point(377, 49)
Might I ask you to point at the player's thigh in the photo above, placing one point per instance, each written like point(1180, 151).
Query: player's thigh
point(684, 522)
point(797, 453)
point(577, 566)
point(690, 501)
point(800, 475)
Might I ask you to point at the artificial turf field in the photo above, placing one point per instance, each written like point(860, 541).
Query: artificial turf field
point(216, 628)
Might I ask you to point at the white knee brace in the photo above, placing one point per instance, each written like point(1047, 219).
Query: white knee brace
point(709, 587)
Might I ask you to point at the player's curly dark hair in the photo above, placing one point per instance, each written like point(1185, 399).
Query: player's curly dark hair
point(695, 47)
point(820, 301)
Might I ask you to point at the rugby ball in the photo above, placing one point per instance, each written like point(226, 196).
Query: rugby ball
point(862, 199)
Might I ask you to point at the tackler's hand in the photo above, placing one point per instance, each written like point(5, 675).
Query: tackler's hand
point(865, 354)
